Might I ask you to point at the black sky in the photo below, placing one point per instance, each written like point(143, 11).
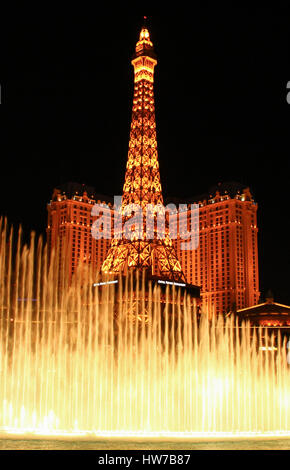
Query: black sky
point(221, 109)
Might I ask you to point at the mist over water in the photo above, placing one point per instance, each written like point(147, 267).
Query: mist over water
point(122, 360)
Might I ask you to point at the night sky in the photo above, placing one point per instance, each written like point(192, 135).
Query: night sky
point(221, 110)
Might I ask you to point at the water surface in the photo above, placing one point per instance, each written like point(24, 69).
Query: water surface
point(82, 444)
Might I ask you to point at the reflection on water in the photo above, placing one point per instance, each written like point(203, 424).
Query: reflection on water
point(35, 444)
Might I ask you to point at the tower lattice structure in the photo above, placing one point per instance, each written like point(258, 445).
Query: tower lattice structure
point(145, 248)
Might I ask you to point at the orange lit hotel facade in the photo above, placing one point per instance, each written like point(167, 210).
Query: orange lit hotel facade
point(224, 263)
point(69, 226)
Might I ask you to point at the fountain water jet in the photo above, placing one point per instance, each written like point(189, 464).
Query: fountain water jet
point(73, 361)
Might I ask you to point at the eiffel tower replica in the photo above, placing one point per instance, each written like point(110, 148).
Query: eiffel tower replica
point(144, 251)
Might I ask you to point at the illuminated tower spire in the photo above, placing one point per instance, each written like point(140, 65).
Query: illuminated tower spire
point(142, 185)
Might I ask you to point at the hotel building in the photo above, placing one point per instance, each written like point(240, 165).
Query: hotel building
point(224, 263)
point(70, 222)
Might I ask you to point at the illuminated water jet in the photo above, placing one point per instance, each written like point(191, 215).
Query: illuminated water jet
point(72, 364)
